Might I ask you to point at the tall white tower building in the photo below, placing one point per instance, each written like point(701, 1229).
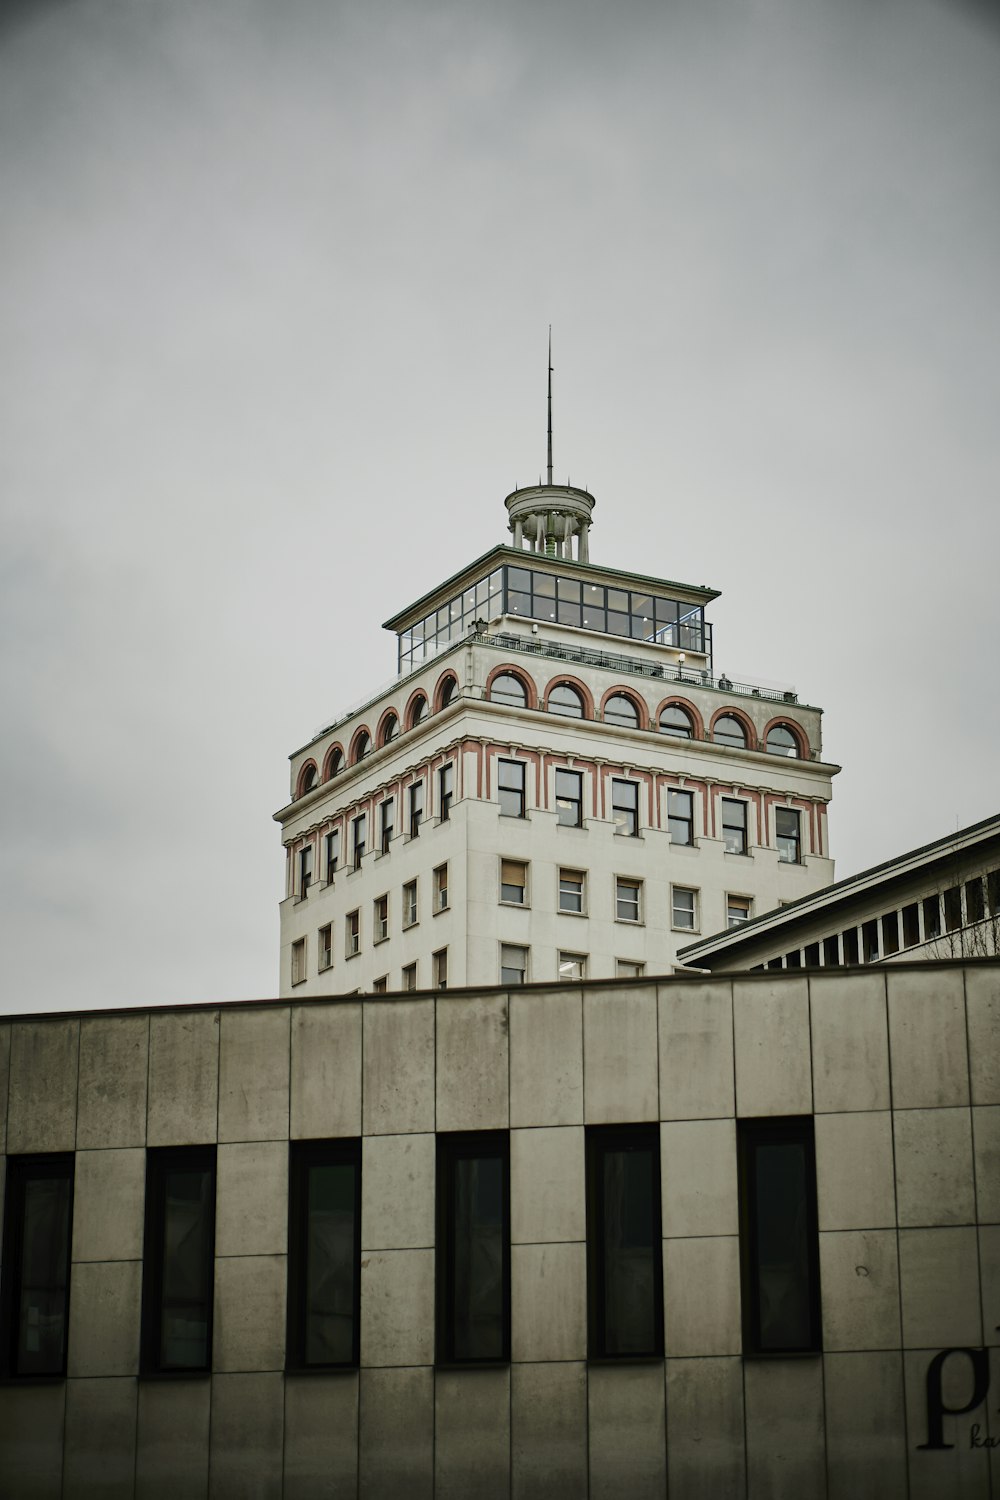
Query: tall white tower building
point(556, 785)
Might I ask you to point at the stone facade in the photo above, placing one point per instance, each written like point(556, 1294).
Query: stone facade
point(897, 1069)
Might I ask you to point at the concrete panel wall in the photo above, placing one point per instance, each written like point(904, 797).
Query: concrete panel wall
point(898, 1069)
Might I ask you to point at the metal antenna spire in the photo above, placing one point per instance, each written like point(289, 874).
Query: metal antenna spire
point(550, 403)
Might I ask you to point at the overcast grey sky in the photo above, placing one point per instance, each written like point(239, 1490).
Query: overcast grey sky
point(276, 283)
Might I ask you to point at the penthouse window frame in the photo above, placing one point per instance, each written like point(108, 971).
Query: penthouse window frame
point(57, 1166)
point(600, 1139)
point(453, 1147)
point(160, 1161)
point(750, 1134)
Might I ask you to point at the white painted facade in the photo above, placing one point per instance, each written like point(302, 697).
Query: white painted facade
point(684, 887)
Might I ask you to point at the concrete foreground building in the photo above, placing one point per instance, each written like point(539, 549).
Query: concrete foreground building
point(701, 1237)
point(558, 783)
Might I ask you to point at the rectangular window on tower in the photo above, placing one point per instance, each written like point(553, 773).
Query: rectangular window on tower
point(34, 1292)
point(737, 910)
point(353, 933)
point(381, 919)
point(446, 782)
point(410, 903)
point(324, 1254)
point(684, 908)
point(734, 825)
point(325, 938)
point(332, 854)
point(513, 964)
point(572, 888)
point(440, 965)
point(305, 870)
point(511, 784)
point(513, 882)
point(409, 977)
point(416, 798)
point(569, 799)
point(298, 960)
point(358, 835)
point(625, 807)
point(788, 835)
point(387, 814)
point(627, 899)
point(680, 816)
point(441, 888)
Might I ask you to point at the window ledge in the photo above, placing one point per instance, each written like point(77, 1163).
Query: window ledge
point(440, 910)
point(313, 1370)
point(577, 914)
point(159, 1375)
point(688, 931)
point(630, 922)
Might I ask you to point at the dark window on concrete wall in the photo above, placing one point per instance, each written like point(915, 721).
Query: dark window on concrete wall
point(869, 939)
point(473, 1254)
point(624, 1248)
point(779, 1243)
point(953, 908)
point(911, 925)
point(34, 1306)
point(932, 917)
point(831, 951)
point(416, 795)
point(178, 1260)
point(850, 940)
point(324, 1254)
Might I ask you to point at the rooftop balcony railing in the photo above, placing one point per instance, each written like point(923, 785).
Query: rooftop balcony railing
point(635, 666)
point(609, 661)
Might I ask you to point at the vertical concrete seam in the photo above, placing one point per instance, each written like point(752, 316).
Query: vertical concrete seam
point(822, 1363)
point(895, 1208)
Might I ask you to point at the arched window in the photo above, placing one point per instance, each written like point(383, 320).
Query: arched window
point(508, 689)
point(447, 692)
point(390, 729)
point(362, 745)
point(621, 710)
point(677, 721)
point(729, 731)
point(565, 700)
point(781, 741)
point(307, 780)
point(418, 710)
point(334, 764)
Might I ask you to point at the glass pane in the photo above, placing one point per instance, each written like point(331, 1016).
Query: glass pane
point(187, 1269)
point(477, 1208)
point(618, 600)
point(543, 585)
point(519, 579)
point(42, 1313)
point(570, 590)
point(621, 710)
point(676, 721)
point(518, 604)
point(629, 1275)
point(329, 1290)
point(782, 1247)
point(618, 624)
point(569, 614)
point(566, 700)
